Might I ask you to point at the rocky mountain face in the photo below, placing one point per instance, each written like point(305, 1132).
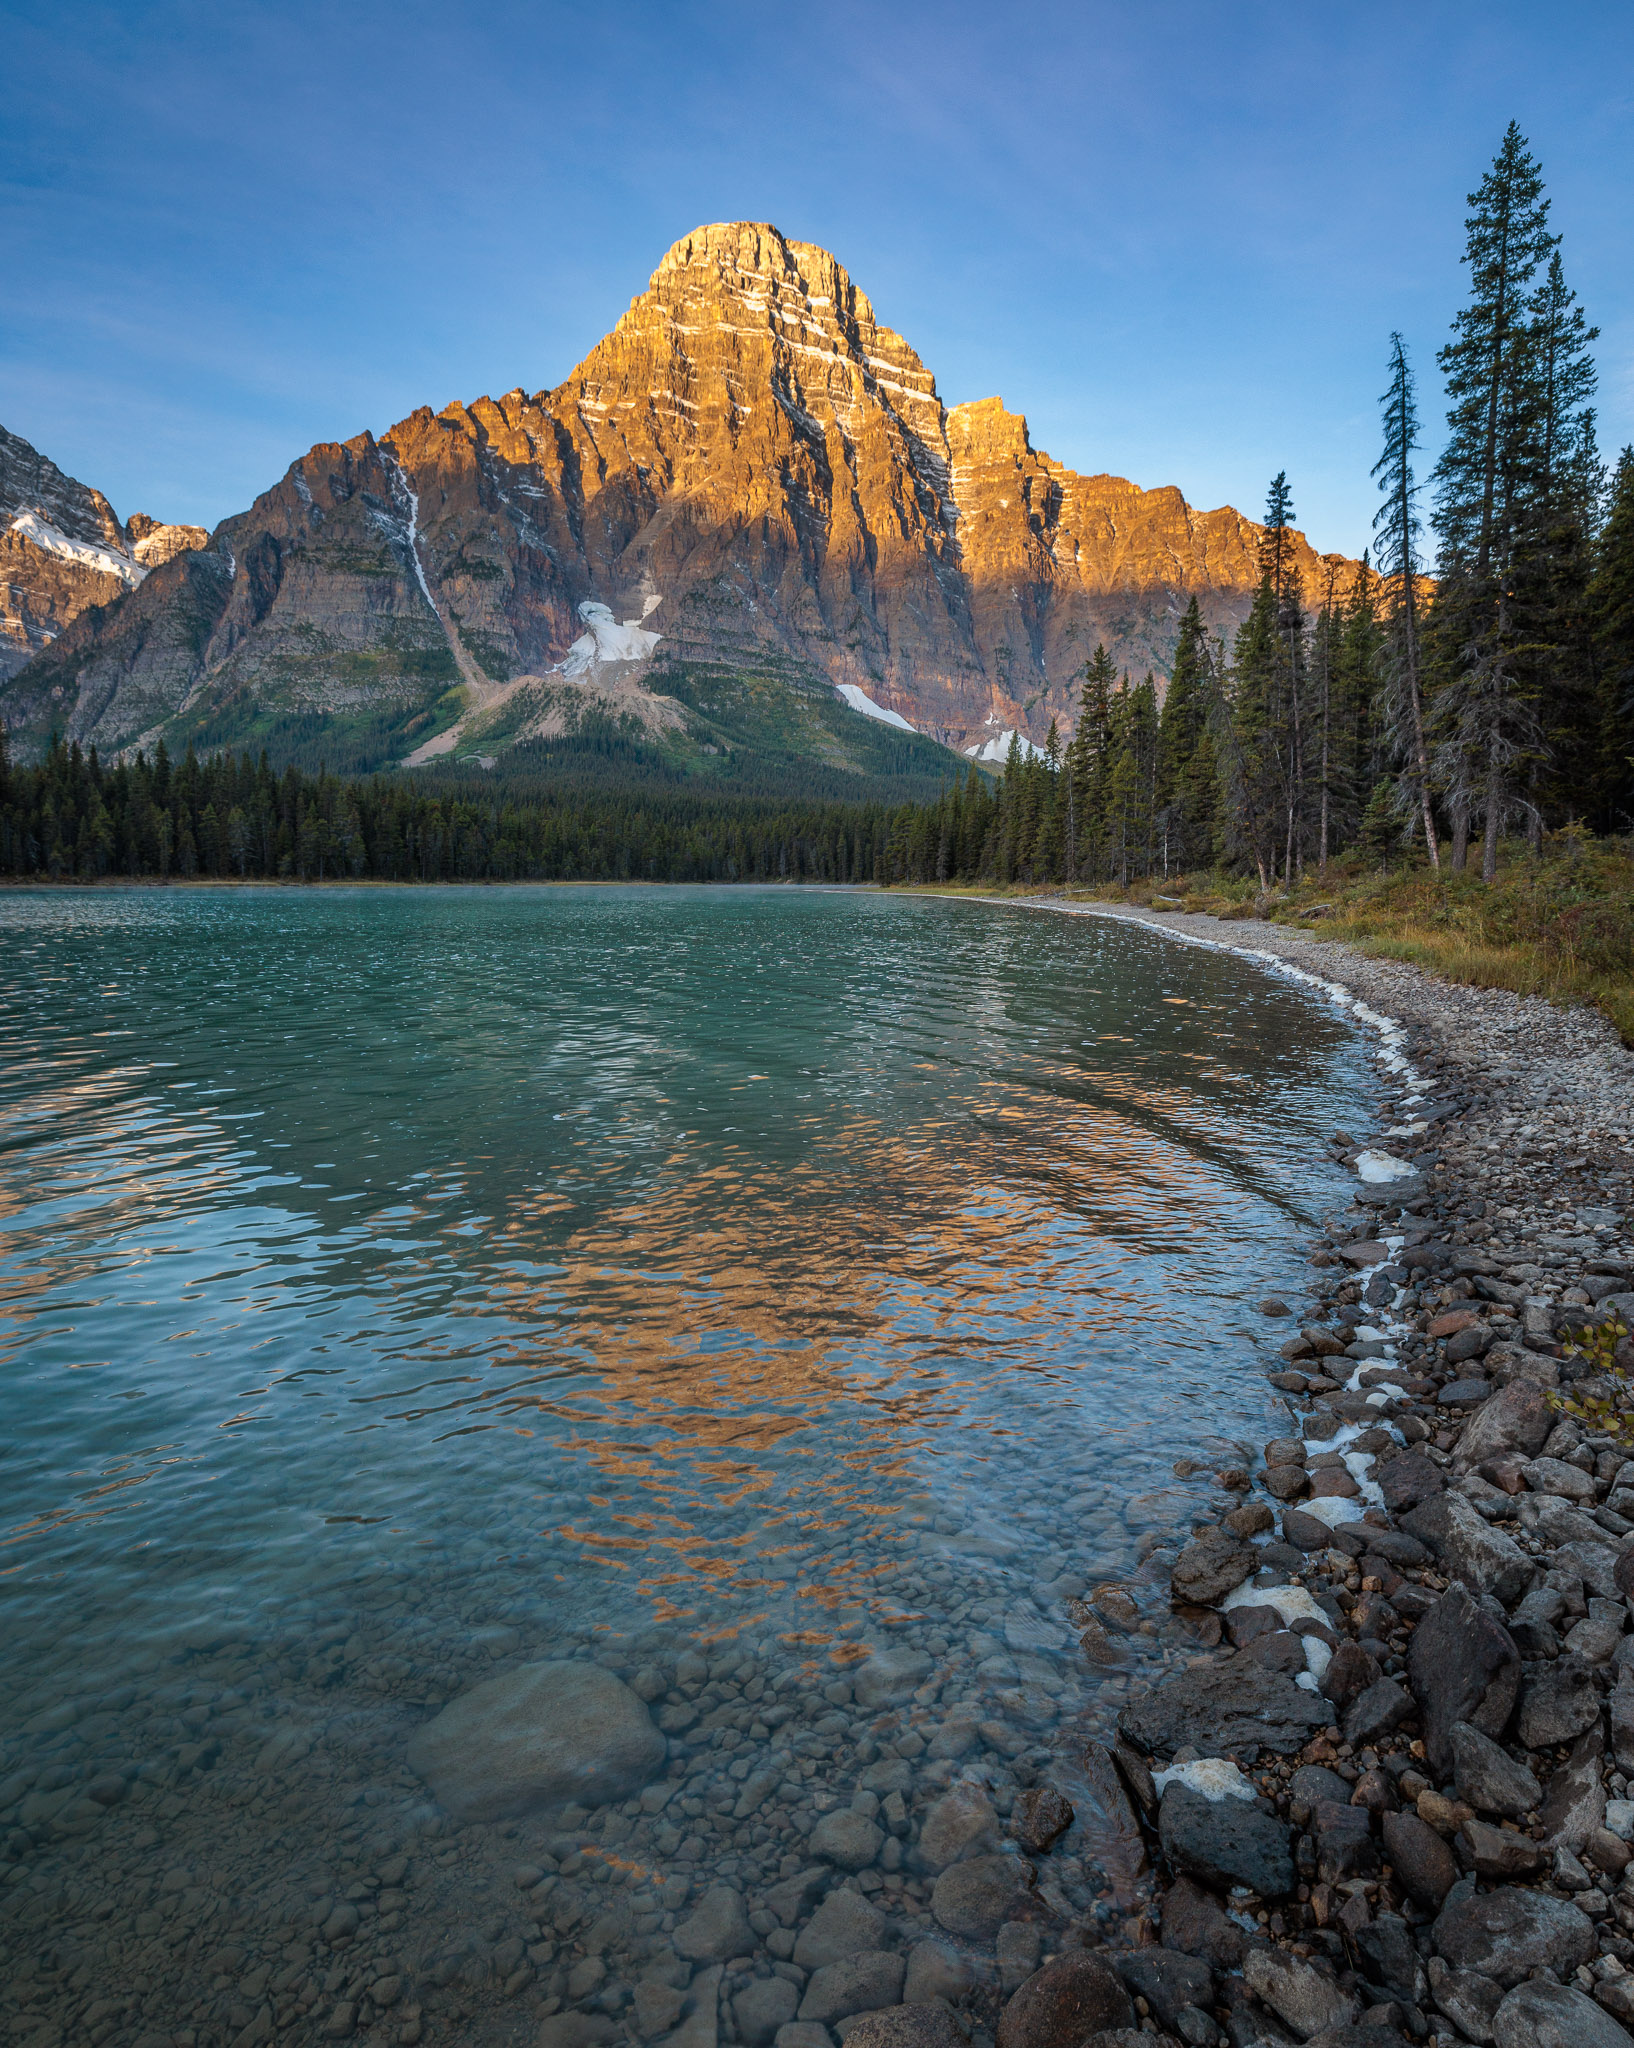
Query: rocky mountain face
point(64, 549)
point(749, 466)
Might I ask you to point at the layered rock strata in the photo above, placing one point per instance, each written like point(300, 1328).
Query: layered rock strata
point(749, 465)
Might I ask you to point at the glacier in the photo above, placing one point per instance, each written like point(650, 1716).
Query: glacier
point(89, 556)
point(859, 700)
point(606, 640)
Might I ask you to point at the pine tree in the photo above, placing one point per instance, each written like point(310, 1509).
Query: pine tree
point(1485, 713)
point(1185, 785)
point(1610, 608)
point(1569, 485)
point(1251, 772)
point(1087, 766)
point(1397, 524)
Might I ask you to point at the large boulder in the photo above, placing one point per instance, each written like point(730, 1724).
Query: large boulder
point(907, 2026)
point(1508, 1933)
point(1470, 1549)
point(1235, 1709)
point(1575, 1805)
point(1545, 2015)
point(1297, 1993)
point(1425, 1867)
point(1488, 1777)
point(1074, 1995)
point(1195, 1922)
point(1462, 1666)
point(1169, 1981)
point(1407, 1480)
point(537, 1737)
point(861, 1983)
point(1210, 1566)
point(1225, 1842)
point(1558, 1703)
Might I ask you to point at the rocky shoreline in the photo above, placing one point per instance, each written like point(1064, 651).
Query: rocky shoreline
point(1389, 1799)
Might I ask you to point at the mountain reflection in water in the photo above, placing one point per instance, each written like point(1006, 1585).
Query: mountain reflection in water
point(401, 1286)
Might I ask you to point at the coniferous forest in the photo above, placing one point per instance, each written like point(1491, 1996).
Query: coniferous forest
point(1441, 699)
point(1416, 721)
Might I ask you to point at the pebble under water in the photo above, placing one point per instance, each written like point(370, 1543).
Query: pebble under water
point(788, 1300)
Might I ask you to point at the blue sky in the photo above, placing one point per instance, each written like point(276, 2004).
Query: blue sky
point(1176, 236)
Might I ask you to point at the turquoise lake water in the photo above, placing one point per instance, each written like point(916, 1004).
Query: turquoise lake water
point(398, 1286)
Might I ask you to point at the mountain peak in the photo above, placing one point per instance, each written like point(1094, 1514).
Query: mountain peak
point(749, 465)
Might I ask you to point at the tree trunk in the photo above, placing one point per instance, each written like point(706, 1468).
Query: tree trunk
point(1460, 836)
point(1492, 822)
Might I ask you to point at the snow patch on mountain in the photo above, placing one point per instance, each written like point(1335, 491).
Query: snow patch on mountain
point(604, 639)
point(998, 748)
point(859, 700)
point(55, 542)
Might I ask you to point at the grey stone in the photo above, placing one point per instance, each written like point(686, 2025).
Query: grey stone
point(1470, 1549)
point(889, 1676)
point(1470, 2001)
point(936, 1969)
point(805, 2034)
point(1575, 1804)
point(1074, 1995)
point(861, 1983)
point(847, 1838)
point(1345, 1847)
point(1407, 1480)
point(718, 1927)
point(1488, 1778)
point(961, 1822)
point(1232, 1709)
point(1545, 2015)
point(1225, 1842)
point(575, 2030)
point(1423, 1863)
point(1298, 1994)
point(1039, 1818)
point(1558, 1703)
point(760, 2008)
point(1389, 1960)
point(1210, 1566)
point(843, 1925)
point(974, 1899)
point(1499, 1853)
point(537, 1737)
point(1462, 1666)
point(1194, 1921)
point(1381, 1708)
point(902, 2026)
point(1620, 1708)
point(1507, 1933)
point(1168, 1981)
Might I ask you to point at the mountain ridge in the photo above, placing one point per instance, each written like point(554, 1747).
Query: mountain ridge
point(750, 465)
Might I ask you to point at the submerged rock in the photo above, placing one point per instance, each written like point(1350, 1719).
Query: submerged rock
point(537, 1737)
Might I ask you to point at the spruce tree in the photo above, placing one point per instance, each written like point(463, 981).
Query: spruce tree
point(1185, 812)
point(1569, 482)
point(1398, 526)
point(1485, 710)
point(1610, 608)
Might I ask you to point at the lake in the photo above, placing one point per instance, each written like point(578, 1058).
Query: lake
point(733, 1289)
